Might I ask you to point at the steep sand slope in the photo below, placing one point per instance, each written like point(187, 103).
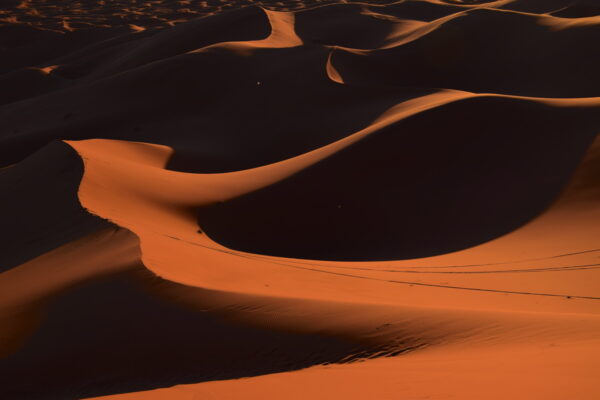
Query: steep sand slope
point(499, 343)
point(403, 197)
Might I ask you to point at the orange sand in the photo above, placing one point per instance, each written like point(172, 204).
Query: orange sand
point(222, 152)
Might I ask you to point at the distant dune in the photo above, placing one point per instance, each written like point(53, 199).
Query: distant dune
point(300, 199)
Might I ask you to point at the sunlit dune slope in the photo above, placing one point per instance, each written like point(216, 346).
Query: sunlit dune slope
point(324, 199)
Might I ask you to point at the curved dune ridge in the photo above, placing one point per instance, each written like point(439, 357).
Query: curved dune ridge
point(325, 199)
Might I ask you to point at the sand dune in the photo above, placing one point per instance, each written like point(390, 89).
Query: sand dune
point(325, 199)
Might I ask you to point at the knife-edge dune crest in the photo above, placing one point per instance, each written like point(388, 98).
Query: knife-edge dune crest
point(326, 200)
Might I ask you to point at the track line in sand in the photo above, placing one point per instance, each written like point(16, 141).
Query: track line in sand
point(409, 271)
point(409, 283)
point(584, 266)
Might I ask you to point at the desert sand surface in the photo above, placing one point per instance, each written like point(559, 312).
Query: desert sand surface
point(300, 199)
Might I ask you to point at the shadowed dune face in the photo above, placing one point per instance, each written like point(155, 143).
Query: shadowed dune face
point(45, 184)
point(161, 87)
point(444, 180)
point(561, 8)
point(200, 191)
point(579, 9)
point(459, 54)
point(88, 345)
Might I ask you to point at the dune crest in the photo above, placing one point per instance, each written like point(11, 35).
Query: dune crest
point(305, 199)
